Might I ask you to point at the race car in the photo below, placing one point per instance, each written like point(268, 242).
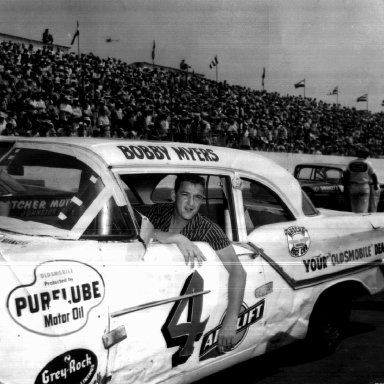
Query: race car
point(323, 183)
point(89, 296)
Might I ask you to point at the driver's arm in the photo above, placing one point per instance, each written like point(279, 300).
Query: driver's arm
point(236, 286)
point(189, 250)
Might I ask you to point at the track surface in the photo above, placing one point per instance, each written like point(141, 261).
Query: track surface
point(358, 360)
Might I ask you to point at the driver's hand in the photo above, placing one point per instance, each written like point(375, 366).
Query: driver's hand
point(190, 252)
point(226, 338)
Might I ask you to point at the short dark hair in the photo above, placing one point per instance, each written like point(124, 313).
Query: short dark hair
point(363, 153)
point(190, 177)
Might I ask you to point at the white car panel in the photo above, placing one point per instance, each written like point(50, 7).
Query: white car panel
point(98, 300)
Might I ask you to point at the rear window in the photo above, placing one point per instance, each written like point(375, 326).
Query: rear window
point(304, 173)
point(334, 175)
point(46, 187)
point(261, 206)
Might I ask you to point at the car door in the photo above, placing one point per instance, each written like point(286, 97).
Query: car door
point(250, 327)
point(261, 217)
point(165, 316)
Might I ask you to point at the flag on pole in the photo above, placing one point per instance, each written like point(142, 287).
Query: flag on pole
point(334, 92)
point(77, 33)
point(214, 62)
point(263, 77)
point(300, 84)
point(153, 50)
point(362, 98)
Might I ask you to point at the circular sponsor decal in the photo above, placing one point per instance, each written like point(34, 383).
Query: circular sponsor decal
point(59, 299)
point(77, 366)
point(298, 240)
point(247, 317)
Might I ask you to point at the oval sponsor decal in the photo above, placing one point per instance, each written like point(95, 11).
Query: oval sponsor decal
point(298, 240)
point(60, 298)
point(77, 366)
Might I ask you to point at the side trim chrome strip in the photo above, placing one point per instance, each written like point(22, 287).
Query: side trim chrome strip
point(156, 303)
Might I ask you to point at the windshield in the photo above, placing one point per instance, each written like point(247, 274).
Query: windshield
point(45, 187)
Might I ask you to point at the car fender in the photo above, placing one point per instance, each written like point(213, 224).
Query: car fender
point(54, 311)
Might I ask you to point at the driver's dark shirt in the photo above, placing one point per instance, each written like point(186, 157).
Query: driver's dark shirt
point(200, 228)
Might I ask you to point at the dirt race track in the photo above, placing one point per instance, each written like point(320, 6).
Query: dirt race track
point(359, 359)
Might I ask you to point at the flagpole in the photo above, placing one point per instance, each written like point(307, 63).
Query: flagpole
point(171, 84)
point(336, 117)
point(215, 63)
point(304, 88)
point(217, 69)
point(78, 42)
point(262, 78)
point(81, 96)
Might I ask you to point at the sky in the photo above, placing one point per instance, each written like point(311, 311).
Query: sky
point(328, 43)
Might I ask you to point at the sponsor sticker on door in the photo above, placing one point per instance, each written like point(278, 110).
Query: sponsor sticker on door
point(75, 366)
point(298, 240)
point(247, 317)
point(59, 299)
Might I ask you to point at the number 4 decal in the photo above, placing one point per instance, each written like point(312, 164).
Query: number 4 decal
point(185, 334)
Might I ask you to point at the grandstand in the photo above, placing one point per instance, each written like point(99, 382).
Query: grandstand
point(36, 44)
point(46, 90)
point(144, 64)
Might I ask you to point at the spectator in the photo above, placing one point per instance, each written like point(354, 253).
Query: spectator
point(9, 130)
point(87, 126)
point(47, 37)
point(245, 142)
point(103, 122)
point(357, 179)
point(76, 109)
point(3, 122)
point(35, 81)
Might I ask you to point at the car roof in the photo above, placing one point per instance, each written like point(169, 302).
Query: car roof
point(122, 153)
point(328, 165)
point(110, 151)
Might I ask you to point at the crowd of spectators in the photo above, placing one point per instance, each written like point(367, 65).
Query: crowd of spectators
point(46, 92)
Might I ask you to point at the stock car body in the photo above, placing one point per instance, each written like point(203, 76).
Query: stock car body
point(88, 297)
point(323, 183)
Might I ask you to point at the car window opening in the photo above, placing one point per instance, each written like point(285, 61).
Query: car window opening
point(262, 206)
point(40, 186)
point(143, 192)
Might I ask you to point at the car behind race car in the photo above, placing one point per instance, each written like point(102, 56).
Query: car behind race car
point(323, 183)
point(87, 296)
